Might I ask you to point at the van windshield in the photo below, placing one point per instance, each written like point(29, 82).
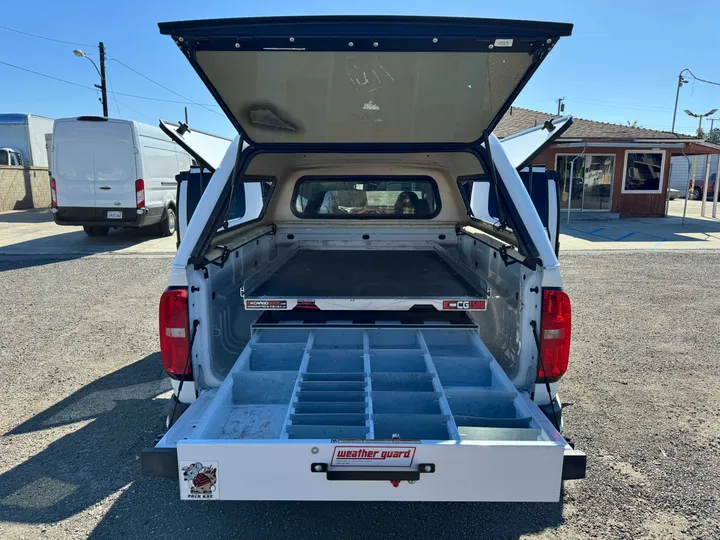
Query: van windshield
point(391, 197)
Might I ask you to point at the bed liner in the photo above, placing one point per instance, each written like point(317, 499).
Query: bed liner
point(365, 279)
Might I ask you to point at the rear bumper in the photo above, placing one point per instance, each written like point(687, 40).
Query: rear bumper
point(164, 462)
point(97, 217)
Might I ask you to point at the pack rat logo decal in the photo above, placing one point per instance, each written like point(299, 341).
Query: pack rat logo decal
point(200, 480)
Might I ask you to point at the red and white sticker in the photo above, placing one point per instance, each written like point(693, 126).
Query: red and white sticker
point(199, 480)
point(373, 456)
point(468, 305)
point(265, 304)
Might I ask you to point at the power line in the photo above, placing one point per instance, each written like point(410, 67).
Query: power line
point(134, 110)
point(157, 99)
point(114, 98)
point(47, 76)
point(702, 80)
point(46, 38)
point(187, 100)
point(615, 105)
point(93, 89)
point(164, 87)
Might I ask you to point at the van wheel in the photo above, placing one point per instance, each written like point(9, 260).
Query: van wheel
point(90, 231)
point(168, 224)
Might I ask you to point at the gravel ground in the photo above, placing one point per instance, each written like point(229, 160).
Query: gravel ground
point(83, 393)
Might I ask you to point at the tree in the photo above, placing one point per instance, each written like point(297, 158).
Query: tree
point(713, 136)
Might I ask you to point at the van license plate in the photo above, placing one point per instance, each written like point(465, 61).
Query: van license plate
point(114, 214)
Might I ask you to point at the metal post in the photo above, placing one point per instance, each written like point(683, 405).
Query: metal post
point(691, 189)
point(667, 191)
point(572, 171)
point(705, 185)
point(687, 193)
point(103, 84)
point(530, 173)
point(717, 188)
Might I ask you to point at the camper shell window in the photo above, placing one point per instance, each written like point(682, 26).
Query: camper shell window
point(366, 197)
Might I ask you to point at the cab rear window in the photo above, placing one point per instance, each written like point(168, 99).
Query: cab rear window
point(366, 197)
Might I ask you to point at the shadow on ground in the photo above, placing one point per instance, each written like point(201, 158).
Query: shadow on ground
point(39, 215)
point(75, 244)
point(83, 467)
point(165, 516)
point(86, 466)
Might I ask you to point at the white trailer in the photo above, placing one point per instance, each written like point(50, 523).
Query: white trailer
point(26, 134)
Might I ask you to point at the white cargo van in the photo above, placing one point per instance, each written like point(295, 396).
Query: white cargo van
point(366, 303)
point(114, 173)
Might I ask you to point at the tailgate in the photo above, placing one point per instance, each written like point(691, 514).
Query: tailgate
point(366, 414)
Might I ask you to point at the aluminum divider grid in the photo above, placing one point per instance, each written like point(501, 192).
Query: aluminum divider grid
point(437, 385)
point(301, 370)
point(368, 399)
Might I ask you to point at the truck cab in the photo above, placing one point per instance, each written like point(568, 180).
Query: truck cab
point(10, 157)
point(366, 302)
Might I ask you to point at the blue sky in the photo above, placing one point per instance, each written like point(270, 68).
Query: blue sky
point(620, 64)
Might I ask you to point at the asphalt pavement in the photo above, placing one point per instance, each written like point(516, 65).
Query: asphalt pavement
point(83, 393)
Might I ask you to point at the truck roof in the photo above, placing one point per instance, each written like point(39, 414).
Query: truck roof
point(138, 127)
point(18, 118)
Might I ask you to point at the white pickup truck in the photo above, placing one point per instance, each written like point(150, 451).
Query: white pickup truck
point(366, 302)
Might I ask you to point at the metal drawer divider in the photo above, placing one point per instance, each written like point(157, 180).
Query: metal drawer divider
point(312, 420)
point(368, 388)
point(438, 387)
point(296, 390)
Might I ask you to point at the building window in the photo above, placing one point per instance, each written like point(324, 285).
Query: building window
point(644, 172)
point(592, 176)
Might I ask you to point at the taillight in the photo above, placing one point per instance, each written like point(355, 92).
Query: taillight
point(555, 329)
point(174, 333)
point(139, 193)
point(53, 192)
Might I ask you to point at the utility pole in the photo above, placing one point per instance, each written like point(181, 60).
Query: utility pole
point(561, 105)
point(186, 116)
point(681, 80)
point(103, 83)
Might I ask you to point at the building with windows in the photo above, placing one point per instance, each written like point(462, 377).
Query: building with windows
point(609, 167)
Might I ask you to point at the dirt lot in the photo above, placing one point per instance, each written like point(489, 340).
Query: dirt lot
point(83, 393)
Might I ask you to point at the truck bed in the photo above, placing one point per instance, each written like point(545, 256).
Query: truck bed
point(397, 279)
